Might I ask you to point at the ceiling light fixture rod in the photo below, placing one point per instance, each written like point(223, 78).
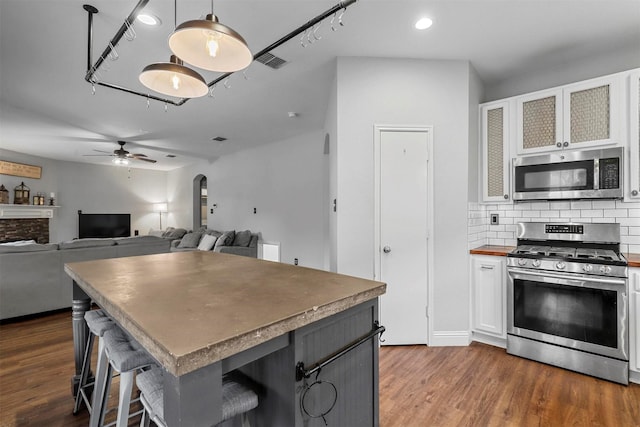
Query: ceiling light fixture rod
point(131, 18)
point(292, 34)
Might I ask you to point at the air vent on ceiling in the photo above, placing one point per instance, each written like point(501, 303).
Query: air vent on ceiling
point(271, 61)
point(171, 156)
point(219, 138)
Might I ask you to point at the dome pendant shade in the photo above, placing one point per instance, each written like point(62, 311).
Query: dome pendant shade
point(173, 79)
point(209, 45)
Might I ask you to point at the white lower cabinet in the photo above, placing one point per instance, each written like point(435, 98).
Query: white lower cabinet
point(489, 298)
point(634, 323)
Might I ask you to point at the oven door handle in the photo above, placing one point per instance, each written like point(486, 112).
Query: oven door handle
point(552, 274)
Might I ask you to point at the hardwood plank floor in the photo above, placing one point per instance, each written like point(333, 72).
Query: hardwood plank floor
point(477, 385)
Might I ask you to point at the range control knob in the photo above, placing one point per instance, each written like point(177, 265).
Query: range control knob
point(605, 269)
point(560, 265)
point(522, 261)
point(587, 268)
point(536, 263)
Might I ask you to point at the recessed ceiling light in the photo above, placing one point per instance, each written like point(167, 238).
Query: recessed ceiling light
point(149, 19)
point(424, 23)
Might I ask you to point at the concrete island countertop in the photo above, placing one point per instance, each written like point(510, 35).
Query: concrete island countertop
point(191, 309)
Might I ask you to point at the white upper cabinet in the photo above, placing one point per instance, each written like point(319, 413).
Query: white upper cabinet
point(633, 180)
point(495, 152)
point(576, 116)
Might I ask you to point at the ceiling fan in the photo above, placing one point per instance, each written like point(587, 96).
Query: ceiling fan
point(122, 156)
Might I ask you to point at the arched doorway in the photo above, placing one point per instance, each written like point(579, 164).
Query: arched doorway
point(199, 202)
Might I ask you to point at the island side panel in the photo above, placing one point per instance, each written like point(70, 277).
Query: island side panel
point(355, 374)
point(80, 304)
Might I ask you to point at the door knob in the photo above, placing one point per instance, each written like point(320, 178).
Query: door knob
point(386, 249)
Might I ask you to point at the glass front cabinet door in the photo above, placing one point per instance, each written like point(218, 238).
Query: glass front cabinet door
point(495, 152)
point(576, 116)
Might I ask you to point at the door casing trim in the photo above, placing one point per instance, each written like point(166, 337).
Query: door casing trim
point(377, 131)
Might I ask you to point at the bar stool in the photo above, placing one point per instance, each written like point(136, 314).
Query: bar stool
point(237, 398)
point(124, 355)
point(98, 323)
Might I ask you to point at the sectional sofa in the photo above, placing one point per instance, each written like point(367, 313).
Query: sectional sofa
point(32, 277)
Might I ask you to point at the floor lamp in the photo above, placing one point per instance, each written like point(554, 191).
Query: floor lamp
point(160, 208)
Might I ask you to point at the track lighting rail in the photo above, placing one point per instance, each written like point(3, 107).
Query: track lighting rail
point(125, 29)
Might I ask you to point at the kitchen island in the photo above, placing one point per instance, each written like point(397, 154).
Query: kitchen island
point(202, 314)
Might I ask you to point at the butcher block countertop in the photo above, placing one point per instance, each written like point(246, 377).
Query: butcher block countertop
point(633, 259)
point(494, 250)
point(191, 309)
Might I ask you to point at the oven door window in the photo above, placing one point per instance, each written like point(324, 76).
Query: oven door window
point(582, 314)
point(555, 177)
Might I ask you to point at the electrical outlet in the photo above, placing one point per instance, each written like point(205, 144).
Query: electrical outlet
point(135, 232)
point(295, 261)
point(211, 210)
point(495, 219)
point(255, 210)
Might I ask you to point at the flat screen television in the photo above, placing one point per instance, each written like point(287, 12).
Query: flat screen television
point(104, 225)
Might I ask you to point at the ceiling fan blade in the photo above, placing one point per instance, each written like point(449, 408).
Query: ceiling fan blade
point(97, 155)
point(101, 151)
point(145, 160)
point(139, 155)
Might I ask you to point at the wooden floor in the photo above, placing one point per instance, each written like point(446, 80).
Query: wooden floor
point(477, 385)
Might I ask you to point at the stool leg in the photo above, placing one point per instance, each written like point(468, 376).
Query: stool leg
point(245, 420)
point(84, 375)
point(101, 389)
point(126, 385)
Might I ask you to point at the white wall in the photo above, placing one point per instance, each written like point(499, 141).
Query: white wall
point(282, 180)
point(567, 70)
point(406, 92)
point(92, 189)
point(331, 129)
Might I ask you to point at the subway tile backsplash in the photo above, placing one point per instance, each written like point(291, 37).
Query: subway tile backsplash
point(482, 232)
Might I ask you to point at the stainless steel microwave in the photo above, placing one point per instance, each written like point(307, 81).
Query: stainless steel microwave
point(566, 175)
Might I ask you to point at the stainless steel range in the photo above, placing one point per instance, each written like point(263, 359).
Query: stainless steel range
point(567, 296)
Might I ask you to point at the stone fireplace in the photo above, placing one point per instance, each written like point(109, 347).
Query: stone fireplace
point(25, 222)
point(13, 229)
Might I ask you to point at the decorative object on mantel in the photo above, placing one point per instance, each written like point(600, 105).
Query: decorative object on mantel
point(21, 194)
point(20, 169)
point(4, 195)
point(52, 199)
point(38, 199)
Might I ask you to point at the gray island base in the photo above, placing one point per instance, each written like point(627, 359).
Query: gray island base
point(202, 314)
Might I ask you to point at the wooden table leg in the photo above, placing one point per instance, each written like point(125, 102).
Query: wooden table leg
point(80, 304)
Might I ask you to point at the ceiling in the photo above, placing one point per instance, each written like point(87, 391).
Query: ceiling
point(47, 108)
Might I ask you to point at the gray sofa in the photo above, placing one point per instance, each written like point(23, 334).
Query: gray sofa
point(243, 243)
point(32, 277)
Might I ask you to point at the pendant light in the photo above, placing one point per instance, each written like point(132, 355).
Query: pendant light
point(210, 45)
point(173, 78)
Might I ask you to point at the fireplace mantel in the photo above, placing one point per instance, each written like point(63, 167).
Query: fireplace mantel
point(26, 211)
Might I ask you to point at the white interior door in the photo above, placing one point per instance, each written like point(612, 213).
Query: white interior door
point(403, 222)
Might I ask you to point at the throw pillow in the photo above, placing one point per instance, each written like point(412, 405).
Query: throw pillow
point(190, 240)
point(175, 233)
point(226, 239)
point(243, 238)
point(207, 242)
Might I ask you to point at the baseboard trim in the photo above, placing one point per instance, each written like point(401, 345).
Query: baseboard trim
point(489, 339)
point(634, 377)
point(450, 339)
